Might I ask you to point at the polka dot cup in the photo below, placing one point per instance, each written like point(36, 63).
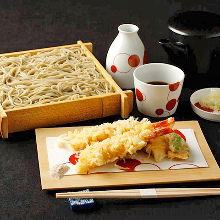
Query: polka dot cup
point(158, 100)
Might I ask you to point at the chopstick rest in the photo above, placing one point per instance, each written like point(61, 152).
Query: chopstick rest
point(80, 204)
point(143, 193)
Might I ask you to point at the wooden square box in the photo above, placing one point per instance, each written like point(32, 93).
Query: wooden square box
point(64, 112)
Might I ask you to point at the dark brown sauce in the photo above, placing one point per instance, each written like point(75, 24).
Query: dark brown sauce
point(157, 83)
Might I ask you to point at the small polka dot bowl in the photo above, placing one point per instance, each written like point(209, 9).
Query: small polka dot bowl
point(204, 113)
point(158, 87)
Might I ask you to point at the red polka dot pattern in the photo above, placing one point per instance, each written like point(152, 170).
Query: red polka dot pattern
point(174, 86)
point(159, 111)
point(171, 104)
point(145, 57)
point(139, 95)
point(128, 164)
point(74, 158)
point(113, 68)
point(134, 60)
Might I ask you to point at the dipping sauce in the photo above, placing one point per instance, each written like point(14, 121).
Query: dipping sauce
point(203, 108)
point(158, 83)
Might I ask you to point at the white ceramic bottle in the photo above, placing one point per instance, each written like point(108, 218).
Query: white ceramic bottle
point(125, 54)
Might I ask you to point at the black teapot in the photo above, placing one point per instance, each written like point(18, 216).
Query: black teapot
point(194, 46)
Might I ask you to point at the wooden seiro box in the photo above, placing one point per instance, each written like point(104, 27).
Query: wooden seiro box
point(64, 112)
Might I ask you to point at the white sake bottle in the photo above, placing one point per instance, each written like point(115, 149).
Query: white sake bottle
point(125, 54)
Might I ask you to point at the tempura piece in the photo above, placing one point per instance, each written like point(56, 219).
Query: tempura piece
point(158, 147)
point(122, 144)
point(177, 147)
point(171, 145)
point(183, 156)
point(80, 139)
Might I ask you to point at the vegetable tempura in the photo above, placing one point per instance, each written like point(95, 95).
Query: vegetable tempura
point(170, 145)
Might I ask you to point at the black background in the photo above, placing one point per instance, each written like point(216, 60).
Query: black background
point(36, 24)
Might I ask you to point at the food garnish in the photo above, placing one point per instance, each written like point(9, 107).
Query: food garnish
point(210, 102)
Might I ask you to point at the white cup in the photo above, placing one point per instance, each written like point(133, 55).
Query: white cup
point(158, 100)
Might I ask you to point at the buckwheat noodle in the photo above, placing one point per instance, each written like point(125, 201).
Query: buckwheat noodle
point(49, 76)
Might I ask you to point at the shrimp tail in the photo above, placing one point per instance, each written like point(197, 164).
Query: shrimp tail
point(165, 123)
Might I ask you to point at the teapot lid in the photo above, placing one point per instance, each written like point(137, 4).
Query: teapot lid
point(195, 23)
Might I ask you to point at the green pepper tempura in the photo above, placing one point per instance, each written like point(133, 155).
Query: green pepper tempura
point(175, 143)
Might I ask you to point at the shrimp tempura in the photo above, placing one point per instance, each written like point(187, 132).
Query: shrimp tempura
point(80, 139)
point(121, 145)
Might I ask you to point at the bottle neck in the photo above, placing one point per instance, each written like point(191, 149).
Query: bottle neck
point(128, 29)
point(127, 36)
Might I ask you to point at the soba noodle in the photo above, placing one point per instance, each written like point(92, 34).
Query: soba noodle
point(49, 76)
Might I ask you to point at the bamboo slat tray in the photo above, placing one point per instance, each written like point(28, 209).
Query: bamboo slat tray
point(64, 112)
point(125, 178)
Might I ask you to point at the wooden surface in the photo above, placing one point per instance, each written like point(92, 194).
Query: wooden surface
point(27, 118)
point(124, 98)
point(137, 193)
point(64, 112)
point(3, 123)
point(126, 178)
point(32, 52)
